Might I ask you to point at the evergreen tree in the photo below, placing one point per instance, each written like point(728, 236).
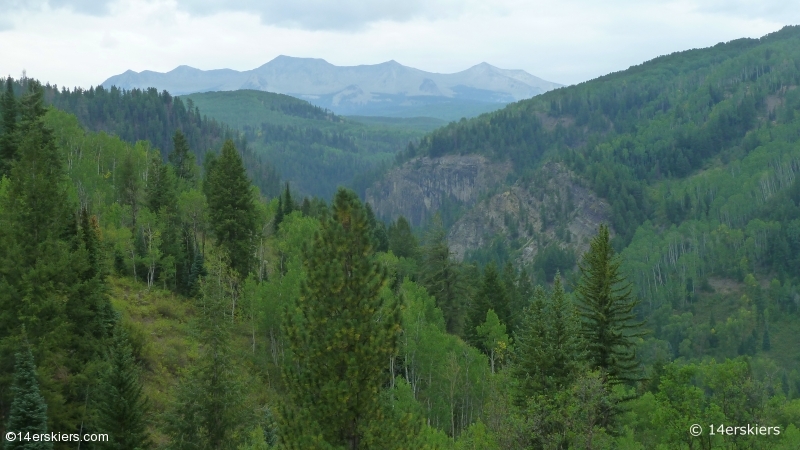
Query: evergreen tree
point(492, 295)
point(160, 190)
point(341, 335)
point(401, 240)
point(182, 159)
point(288, 203)
point(530, 352)
point(28, 413)
point(122, 405)
point(231, 208)
point(276, 222)
point(442, 278)
point(128, 187)
point(8, 138)
point(606, 304)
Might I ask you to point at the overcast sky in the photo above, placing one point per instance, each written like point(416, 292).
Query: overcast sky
point(83, 42)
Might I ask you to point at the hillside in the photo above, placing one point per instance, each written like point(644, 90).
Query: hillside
point(312, 148)
point(386, 89)
point(691, 157)
point(172, 306)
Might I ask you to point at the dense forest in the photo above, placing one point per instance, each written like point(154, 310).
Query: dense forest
point(312, 148)
point(151, 291)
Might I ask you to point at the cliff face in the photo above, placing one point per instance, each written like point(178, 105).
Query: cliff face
point(553, 208)
point(419, 187)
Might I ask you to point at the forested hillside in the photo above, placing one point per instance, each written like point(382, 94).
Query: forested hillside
point(314, 149)
point(174, 305)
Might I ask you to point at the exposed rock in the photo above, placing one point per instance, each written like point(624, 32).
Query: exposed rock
point(555, 207)
point(419, 187)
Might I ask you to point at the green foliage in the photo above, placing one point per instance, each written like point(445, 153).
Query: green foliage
point(8, 138)
point(341, 334)
point(605, 304)
point(443, 279)
point(313, 148)
point(122, 405)
point(209, 408)
point(492, 335)
point(231, 208)
point(492, 295)
point(402, 241)
point(28, 413)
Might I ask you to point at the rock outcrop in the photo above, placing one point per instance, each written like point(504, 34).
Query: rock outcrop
point(554, 208)
point(418, 188)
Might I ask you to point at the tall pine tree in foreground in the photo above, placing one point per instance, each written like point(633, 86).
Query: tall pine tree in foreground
point(341, 336)
point(231, 208)
point(605, 304)
point(28, 412)
point(122, 406)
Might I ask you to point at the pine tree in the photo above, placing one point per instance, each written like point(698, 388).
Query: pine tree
point(276, 222)
point(442, 278)
point(401, 240)
point(341, 335)
point(122, 404)
point(9, 137)
point(605, 304)
point(548, 349)
point(28, 413)
point(182, 159)
point(231, 207)
point(492, 295)
point(128, 187)
point(288, 203)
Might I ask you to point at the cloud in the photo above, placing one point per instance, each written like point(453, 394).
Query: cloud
point(89, 7)
point(342, 15)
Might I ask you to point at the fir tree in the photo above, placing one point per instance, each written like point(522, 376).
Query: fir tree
point(606, 304)
point(28, 413)
point(341, 335)
point(8, 138)
point(288, 203)
point(181, 158)
point(276, 222)
point(401, 240)
point(492, 295)
point(442, 278)
point(122, 405)
point(231, 207)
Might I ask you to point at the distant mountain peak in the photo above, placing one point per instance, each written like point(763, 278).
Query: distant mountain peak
point(331, 86)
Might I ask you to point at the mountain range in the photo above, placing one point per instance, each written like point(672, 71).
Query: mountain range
point(386, 89)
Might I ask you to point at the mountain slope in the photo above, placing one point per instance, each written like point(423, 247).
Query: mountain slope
point(381, 89)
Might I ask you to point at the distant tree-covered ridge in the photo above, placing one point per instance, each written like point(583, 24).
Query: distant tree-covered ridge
point(149, 115)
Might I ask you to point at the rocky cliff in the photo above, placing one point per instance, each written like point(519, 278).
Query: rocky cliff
point(418, 188)
point(554, 207)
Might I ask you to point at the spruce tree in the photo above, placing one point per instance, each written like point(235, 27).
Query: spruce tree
point(492, 295)
point(122, 404)
point(28, 413)
point(181, 158)
point(605, 304)
point(442, 278)
point(341, 335)
point(231, 208)
point(401, 240)
point(548, 348)
point(9, 137)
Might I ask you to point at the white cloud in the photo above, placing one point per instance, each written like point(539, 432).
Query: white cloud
point(567, 42)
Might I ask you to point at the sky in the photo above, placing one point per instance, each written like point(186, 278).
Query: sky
point(83, 42)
